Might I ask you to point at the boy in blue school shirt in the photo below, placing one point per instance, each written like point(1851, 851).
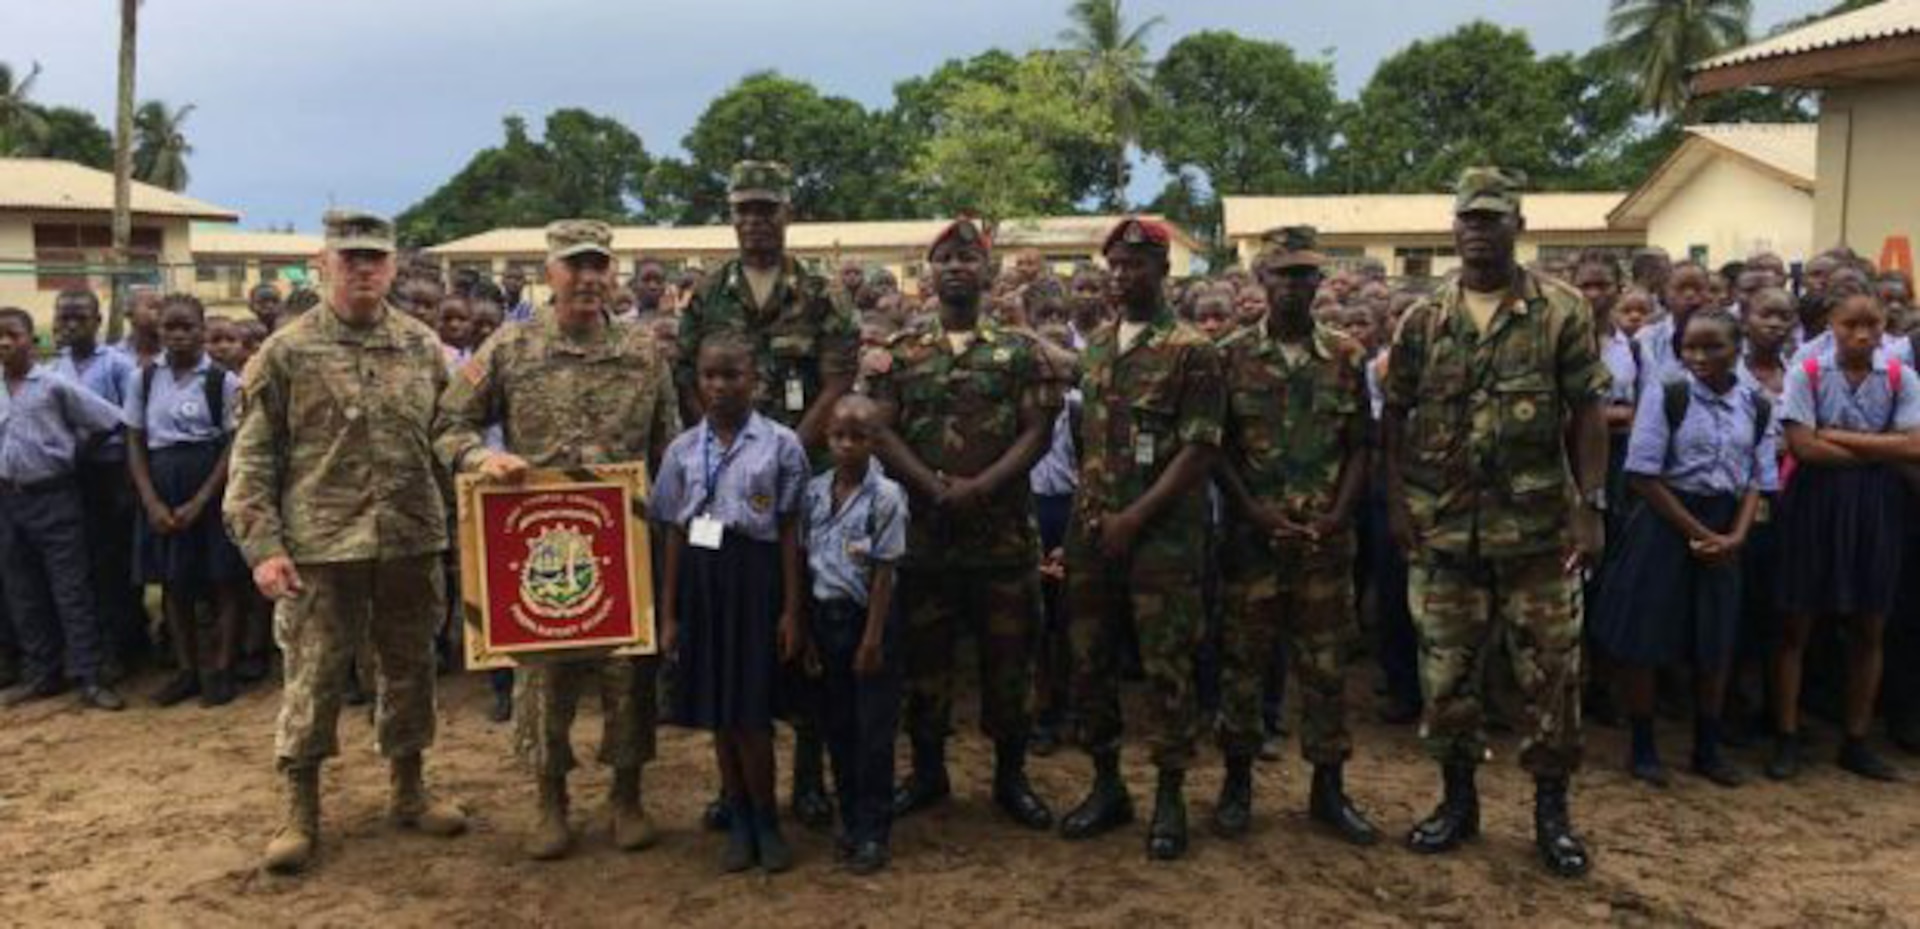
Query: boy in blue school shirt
point(856, 531)
point(45, 422)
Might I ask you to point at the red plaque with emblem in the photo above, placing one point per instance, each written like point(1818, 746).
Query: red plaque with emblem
point(557, 565)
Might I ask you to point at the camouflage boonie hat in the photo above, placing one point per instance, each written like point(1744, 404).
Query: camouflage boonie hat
point(358, 231)
point(1490, 190)
point(759, 180)
point(1292, 247)
point(569, 237)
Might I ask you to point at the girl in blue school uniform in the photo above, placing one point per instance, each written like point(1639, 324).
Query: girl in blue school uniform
point(180, 417)
point(1851, 414)
point(1700, 456)
point(730, 495)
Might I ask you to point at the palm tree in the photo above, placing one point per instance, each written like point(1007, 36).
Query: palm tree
point(160, 149)
point(1112, 60)
point(22, 127)
point(123, 164)
point(1653, 42)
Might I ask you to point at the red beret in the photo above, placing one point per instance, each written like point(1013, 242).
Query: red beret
point(1136, 231)
point(966, 230)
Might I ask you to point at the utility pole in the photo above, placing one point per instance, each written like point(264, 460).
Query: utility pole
point(123, 171)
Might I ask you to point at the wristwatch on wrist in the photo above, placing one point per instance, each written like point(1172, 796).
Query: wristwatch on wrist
point(1595, 499)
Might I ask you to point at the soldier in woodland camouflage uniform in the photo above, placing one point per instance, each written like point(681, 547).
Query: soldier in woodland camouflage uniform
point(969, 407)
point(570, 388)
point(806, 346)
point(336, 501)
point(1295, 457)
point(1493, 396)
point(1150, 432)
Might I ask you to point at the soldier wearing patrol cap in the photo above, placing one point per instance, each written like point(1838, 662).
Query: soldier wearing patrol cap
point(1493, 397)
point(1136, 546)
point(1295, 461)
point(969, 407)
point(569, 389)
point(806, 344)
point(335, 500)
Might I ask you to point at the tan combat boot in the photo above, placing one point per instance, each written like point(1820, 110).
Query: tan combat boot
point(292, 848)
point(410, 806)
point(550, 839)
point(632, 830)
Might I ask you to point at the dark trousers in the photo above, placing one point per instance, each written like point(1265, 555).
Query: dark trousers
point(1900, 681)
point(1053, 653)
point(1398, 644)
point(857, 718)
point(106, 494)
point(48, 581)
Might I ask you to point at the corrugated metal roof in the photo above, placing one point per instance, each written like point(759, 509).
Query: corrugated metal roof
point(242, 242)
point(45, 184)
point(1788, 151)
point(1885, 20)
point(1404, 214)
point(892, 235)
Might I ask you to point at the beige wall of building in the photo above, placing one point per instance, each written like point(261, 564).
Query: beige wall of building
point(30, 276)
point(1729, 210)
point(1869, 190)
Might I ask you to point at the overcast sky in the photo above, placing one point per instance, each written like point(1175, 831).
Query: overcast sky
point(376, 102)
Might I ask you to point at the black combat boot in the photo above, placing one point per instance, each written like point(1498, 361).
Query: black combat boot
point(810, 804)
point(1011, 790)
point(1562, 851)
point(927, 785)
point(1107, 806)
point(1455, 820)
point(1167, 835)
point(1233, 814)
point(1329, 805)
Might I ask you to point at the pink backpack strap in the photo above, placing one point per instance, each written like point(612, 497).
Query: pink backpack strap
point(1894, 367)
point(1811, 365)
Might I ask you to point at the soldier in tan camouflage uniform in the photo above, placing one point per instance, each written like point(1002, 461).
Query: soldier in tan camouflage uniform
point(1296, 457)
point(969, 408)
point(806, 346)
point(1494, 392)
point(336, 501)
point(1136, 546)
point(570, 388)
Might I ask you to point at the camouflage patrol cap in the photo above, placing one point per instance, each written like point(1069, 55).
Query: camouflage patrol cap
point(1136, 231)
point(1487, 189)
point(964, 230)
point(1292, 247)
point(357, 231)
point(759, 180)
point(569, 237)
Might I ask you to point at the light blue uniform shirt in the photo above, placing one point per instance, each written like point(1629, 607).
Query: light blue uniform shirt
point(1715, 452)
point(107, 372)
point(759, 479)
point(1057, 473)
point(45, 425)
point(177, 412)
point(869, 529)
point(1870, 407)
point(1616, 351)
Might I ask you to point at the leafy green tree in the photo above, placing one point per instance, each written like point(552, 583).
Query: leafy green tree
point(22, 125)
point(160, 146)
point(75, 135)
point(1655, 41)
point(1111, 56)
point(1248, 114)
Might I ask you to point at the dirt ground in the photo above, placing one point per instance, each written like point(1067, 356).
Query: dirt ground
point(155, 818)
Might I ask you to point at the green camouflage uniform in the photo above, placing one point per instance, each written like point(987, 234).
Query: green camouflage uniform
point(333, 466)
point(564, 403)
point(1140, 408)
point(1291, 426)
point(801, 337)
point(978, 571)
point(1487, 483)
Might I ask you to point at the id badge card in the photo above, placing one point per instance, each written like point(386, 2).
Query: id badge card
point(705, 532)
point(1143, 450)
point(796, 395)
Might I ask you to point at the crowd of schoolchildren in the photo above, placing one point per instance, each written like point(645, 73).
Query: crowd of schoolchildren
point(1765, 423)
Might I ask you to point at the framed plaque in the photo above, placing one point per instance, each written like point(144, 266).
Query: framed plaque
point(556, 566)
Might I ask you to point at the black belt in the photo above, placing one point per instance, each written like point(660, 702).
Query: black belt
point(16, 488)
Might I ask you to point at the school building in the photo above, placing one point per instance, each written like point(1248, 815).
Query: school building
point(1866, 66)
point(228, 263)
point(1727, 192)
point(898, 246)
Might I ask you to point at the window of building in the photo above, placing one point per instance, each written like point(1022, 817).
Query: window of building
point(71, 254)
point(1418, 262)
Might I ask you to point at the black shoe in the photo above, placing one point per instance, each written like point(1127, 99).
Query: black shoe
point(502, 711)
point(1233, 812)
point(1857, 758)
point(739, 854)
point(927, 785)
point(811, 807)
point(182, 686)
point(30, 692)
point(1651, 772)
point(1107, 806)
point(1455, 820)
point(1013, 793)
point(1045, 741)
point(868, 858)
point(1720, 771)
point(1560, 849)
point(101, 697)
point(1329, 805)
point(1785, 764)
point(1397, 712)
point(217, 690)
point(1167, 834)
point(718, 816)
point(775, 855)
